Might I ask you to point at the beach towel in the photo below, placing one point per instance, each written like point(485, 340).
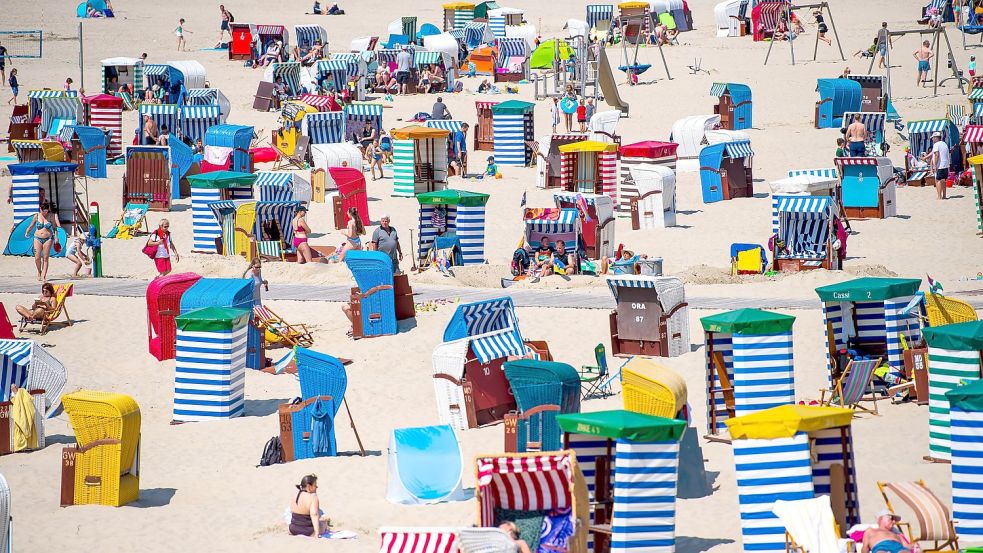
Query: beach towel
point(322, 424)
point(217, 155)
point(809, 522)
point(25, 433)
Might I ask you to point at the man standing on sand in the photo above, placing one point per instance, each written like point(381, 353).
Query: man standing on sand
point(4, 56)
point(225, 27)
point(924, 56)
point(883, 43)
point(403, 62)
point(940, 164)
point(884, 538)
point(385, 239)
point(856, 137)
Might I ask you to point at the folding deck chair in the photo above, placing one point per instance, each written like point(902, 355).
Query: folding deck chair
point(594, 378)
point(62, 291)
point(852, 386)
point(279, 331)
point(297, 159)
point(6, 327)
point(934, 520)
point(132, 220)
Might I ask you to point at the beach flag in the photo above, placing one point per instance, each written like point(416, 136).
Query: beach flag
point(934, 286)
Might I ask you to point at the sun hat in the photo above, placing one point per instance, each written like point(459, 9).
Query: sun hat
point(886, 513)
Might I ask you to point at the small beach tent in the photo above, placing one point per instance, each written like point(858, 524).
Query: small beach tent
point(88, 147)
point(869, 315)
point(307, 35)
point(542, 390)
point(549, 51)
point(512, 60)
point(765, 16)
point(213, 187)
point(635, 18)
point(874, 123)
point(208, 97)
point(289, 72)
point(343, 154)
point(643, 448)
point(280, 186)
point(238, 293)
point(560, 500)
point(484, 137)
point(836, 97)
point(241, 220)
point(589, 167)
point(419, 160)
point(954, 357)
point(548, 173)
point(57, 113)
point(457, 15)
point(163, 115)
point(554, 224)
point(512, 125)
point(727, 15)
point(477, 33)
point(867, 187)
point(754, 349)
point(106, 454)
point(733, 106)
point(373, 302)
point(872, 92)
point(240, 48)
point(326, 127)
point(598, 13)
point(470, 385)
point(117, 72)
point(646, 152)
point(163, 304)
point(195, 120)
point(597, 222)
point(500, 18)
point(210, 366)
point(689, 133)
point(805, 226)
point(651, 316)
point(357, 113)
point(458, 216)
point(227, 147)
point(52, 180)
point(105, 112)
point(920, 134)
point(725, 171)
point(653, 204)
point(966, 410)
point(82, 10)
point(788, 453)
point(350, 186)
point(29, 365)
point(425, 466)
point(804, 183)
point(678, 9)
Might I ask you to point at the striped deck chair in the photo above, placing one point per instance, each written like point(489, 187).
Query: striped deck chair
point(485, 540)
point(853, 385)
point(934, 521)
point(62, 292)
point(128, 102)
point(279, 331)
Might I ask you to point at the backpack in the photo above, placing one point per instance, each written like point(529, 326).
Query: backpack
point(232, 18)
point(520, 262)
point(272, 452)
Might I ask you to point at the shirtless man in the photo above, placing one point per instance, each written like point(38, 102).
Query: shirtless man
point(856, 137)
point(924, 56)
point(884, 538)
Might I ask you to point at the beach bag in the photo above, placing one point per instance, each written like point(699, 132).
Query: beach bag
point(520, 262)
point(272, 452)
point(232, 18)
point(149, 251)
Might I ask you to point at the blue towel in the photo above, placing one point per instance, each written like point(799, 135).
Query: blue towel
point(889, 546)
point(322, 427)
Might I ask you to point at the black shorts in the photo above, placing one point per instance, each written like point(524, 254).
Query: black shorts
point(225, 25)
point(941, 175)
point(402, 77)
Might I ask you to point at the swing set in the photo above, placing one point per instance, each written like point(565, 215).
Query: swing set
point(823, 8)
point(634, 68)
point(938, 35)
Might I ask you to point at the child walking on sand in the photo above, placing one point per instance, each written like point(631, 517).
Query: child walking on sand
point(14, 87)
point(179, 31)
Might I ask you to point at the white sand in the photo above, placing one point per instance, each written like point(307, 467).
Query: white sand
point(199, 481)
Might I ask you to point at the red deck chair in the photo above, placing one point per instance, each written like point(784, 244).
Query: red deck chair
point(6, 328)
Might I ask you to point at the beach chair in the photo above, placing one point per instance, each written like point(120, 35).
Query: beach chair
point(425, 466)
point(726, 389)
point(324, 375)
point(747, 259)
point(62, 292)
point(942, 310)
point(9, 442)
point(128, 103)
point(934, 521)
point(104, 464)
point(279, 331)
point(485, 540)
point(810, 526)
point(6, 331)
point(6, 523)
point(131, 221)
point(373, 301)
point(593, 378)
point(853, 385)
point(652, 389)
point(297, 159)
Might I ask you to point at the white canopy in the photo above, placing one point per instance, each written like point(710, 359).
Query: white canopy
point(361, 44)
point(804, 184)
point(526, 31)
point(120, 62)
point(576, 27)
point(689, 133)
point(194, 72)
point(603, 125)
point(344, 154)
point(502, 12)
point(720, 136)
point(444, 43)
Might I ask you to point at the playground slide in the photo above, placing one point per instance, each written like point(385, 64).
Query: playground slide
point(609, 87)
point(425, 465)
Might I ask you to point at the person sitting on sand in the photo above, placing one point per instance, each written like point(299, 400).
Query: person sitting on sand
point(305, 510)
point(623, 264)
point(885, 537)
point(563, 261)
point(335, 10)
point(512, 531)
point(41, 306)
point(541, 260)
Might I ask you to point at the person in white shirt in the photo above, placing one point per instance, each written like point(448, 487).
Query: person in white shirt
point(940, 164)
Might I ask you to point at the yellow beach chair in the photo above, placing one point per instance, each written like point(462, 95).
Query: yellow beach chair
point(652, 389)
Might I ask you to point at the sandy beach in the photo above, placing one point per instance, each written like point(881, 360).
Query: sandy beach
point(200, 484)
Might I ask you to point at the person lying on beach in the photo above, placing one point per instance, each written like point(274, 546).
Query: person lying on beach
point(272, 53)
point(311, 56)
point(885, 537)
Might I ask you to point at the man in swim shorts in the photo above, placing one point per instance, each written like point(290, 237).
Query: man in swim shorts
point(885, 537)
point(924, 56)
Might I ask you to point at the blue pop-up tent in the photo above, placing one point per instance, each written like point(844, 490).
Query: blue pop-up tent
point(425, 466)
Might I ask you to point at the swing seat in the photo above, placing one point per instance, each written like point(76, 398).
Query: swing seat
point(972, 29)
point(636, 68)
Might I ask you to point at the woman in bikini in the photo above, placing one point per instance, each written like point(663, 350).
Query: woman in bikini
point(42, 306)
point(375, 159)
point(305, 510)
point(353, 235)
point(45, 226)
point(301, 230)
